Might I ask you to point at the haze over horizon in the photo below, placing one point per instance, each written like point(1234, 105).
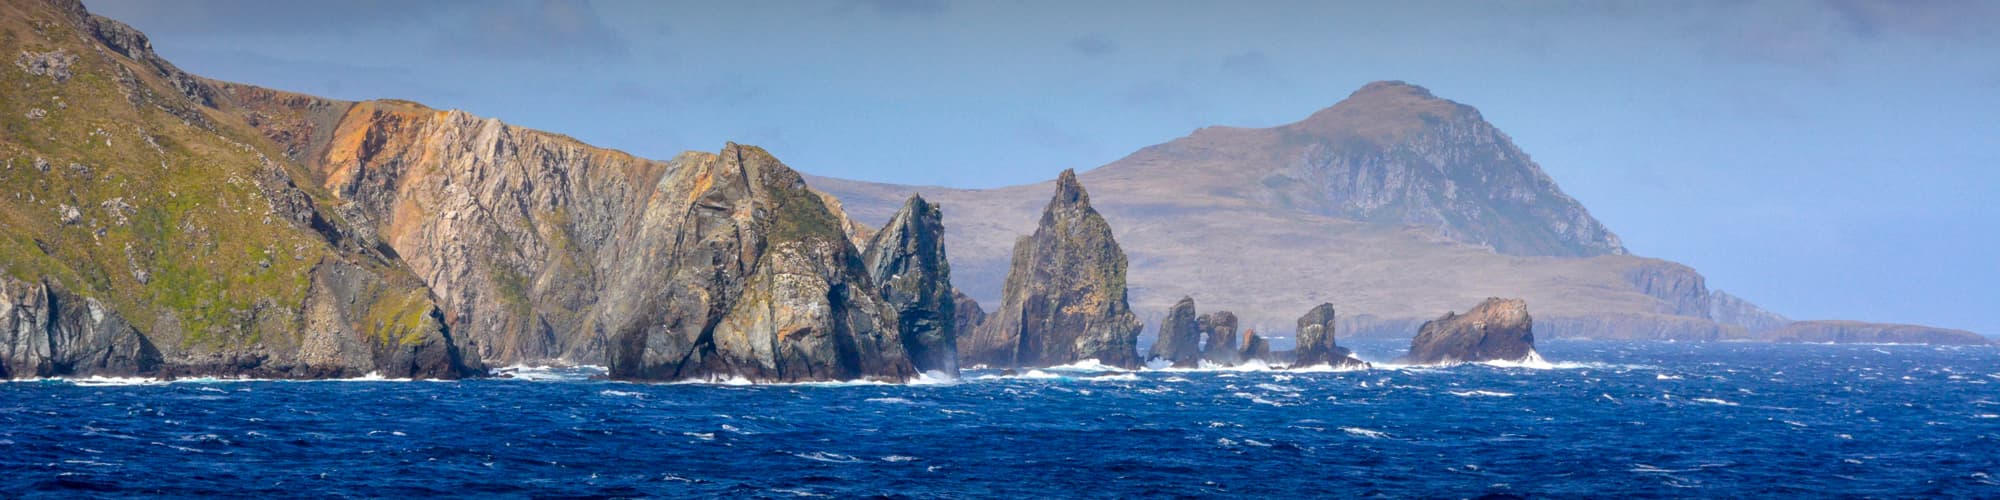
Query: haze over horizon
point(1823, 159)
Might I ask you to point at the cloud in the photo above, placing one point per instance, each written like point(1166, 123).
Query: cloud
point(899, 8)
point(1942, 19)
point(1816, 35)
point(1093, 45)
point(544, 30)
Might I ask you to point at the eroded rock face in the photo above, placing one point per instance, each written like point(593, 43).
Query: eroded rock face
point(1065, 298)
point(906, 262)
point(759, 282)
point(45, 331)
point(1255, 347)
point(966, 313)
point(1180, 337)
point(1223, 347)
point(1495, 330)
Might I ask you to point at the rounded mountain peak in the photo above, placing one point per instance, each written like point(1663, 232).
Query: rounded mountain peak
point(1381, 111)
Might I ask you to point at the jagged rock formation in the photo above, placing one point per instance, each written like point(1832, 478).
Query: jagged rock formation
point(1223, 347)
point(906, 261)
point(1856, 332)
point(1734, 311)
point(1179, 342)
point(47, 331)
point(1064, 300)
point(1495, 330)
point(760, 282)
point(1316, 345)
point(159, 234)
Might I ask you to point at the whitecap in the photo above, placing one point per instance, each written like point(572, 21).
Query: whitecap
point(1367, 433)
point(704, 436)
point(1715, 401)
point(899, 401)
point(1664, 376)
point(622, 394)
point(821, 456)
point(1496, 394)
point(1120, 377)
point(900, 458)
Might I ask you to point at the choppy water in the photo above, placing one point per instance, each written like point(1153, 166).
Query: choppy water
point(1607, 419)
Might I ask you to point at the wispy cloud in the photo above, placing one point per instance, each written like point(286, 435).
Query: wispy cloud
point(1093, 45)
point(545, 30)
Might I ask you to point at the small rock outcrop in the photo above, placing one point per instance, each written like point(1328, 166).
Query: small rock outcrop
point(1064, 299)
point(761, 283)
point(1180, 337)
point(1316, 345)
point(1223, 347)
point(1495, 330)
point(1255, 347)
point(906, 261)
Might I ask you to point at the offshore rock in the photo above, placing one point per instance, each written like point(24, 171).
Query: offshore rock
point(1180, 337)
point(1065, 298)
point(1495, 330)
point(966, 312)
point(759, 283)
point(1220, 329)
point(1316, 345)
point(1255, 347)
point(906, 262)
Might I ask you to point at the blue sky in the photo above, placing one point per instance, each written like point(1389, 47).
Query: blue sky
point(1826, 159)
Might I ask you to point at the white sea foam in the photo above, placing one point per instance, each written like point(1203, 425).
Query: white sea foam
point(550, 373)
point(1714, 401)
point(1664, 376)
point(1495, 394)
point(897, 401)
point(1088, 365)
point(899, 458)
point(1119, 377)
point(828, 457)
point(622, 394)
point(704, 436)
point(1367, 433)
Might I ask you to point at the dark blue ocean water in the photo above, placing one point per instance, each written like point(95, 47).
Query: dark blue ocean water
point(1607, 419)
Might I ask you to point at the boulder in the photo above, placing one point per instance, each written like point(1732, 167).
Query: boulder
point(1495, 330)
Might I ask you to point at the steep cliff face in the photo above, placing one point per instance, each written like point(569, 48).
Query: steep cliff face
point(149, 213)
point(1064, 299)
point(966, 313)
point(906, 261)
point(1681, 290)
point(1734, 311)
point(1179, 342)
point(753, 278)
point(1856, 332)
point(1495, 330)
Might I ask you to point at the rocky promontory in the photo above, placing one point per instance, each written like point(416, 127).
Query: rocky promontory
point(1857, 332)
point(1495, 330)
point(1064, 299)
point(1179, 342)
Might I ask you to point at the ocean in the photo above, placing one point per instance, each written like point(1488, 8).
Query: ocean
point(1596, 419)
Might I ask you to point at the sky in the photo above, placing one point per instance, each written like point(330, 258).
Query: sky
point(1825, 159)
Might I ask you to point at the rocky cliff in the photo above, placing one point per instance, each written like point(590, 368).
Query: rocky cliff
point(1495, 330)
point(1064, 300)
point(1856, 332)
point(152, 231)
point(1734, 311)
point(906, 261)
point(1223, 347)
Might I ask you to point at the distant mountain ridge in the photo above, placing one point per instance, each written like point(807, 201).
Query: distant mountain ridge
point(1393, 204)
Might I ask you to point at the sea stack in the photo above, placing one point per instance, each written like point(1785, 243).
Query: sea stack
point(1495, 330)
point(906, 261)
point(1222, 348)
point(1316, 346)
point(1064, 299)
point(1180, 337)
point(761, 284)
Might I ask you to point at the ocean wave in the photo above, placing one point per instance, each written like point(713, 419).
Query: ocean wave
point(828, 457)
point(1715, 401)
point(1494, 394)
point(550, 373)
point(1367, 433)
